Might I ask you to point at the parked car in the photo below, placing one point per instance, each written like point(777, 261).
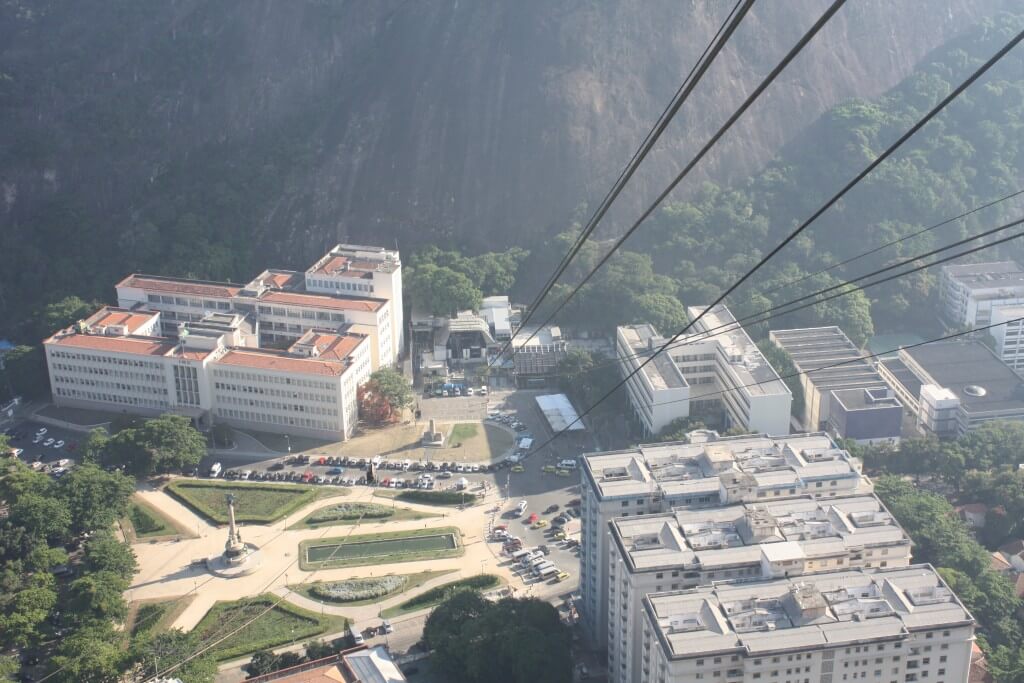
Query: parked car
point(551, 509)
point(59, 444)
point(276, 466)
point(49, 442)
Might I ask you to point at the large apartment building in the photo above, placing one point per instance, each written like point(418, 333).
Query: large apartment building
point(116, 361)
point(687, 548)
point(351, 287)
point(716, 370)
point(706, 471)
point(970, 292)
point(891, 625)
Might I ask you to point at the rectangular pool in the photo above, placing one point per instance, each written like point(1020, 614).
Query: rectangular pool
point(391, 546)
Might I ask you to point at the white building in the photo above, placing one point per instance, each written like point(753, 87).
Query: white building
point(969, 293)
point(1009, 336)
point(717, 369)
point(178, 300)
point(694, 547)
point(706, 472)
point(112, 361)
point(658, 393)
point(881, 625)
point(374, 272)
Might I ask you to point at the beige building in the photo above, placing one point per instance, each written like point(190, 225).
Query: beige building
point(687, 548)
point(893, 625)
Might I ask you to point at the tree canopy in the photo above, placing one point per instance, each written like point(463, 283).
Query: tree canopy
point(168, 443)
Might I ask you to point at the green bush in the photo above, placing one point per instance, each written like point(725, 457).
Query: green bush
point(437, 497)
point(355, 590)
point(281, 624)
point(144, 523)
point(261, 503)
point(351, 511)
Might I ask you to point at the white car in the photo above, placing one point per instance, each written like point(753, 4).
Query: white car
point(37, 438)
point(469, 391)
point(41, 432)
point(245, 474)
point(49, 442)
point(59, 444)
point(64, 462)
point(15, 452)
point(483, 391)
point(388, 628)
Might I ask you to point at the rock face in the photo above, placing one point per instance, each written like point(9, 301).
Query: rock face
point(482, 124)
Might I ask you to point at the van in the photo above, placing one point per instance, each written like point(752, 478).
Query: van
point(357, 637)
point(539, 568)
point(567, 464)
point(215, 469)
point(550, 572)
point(521, 508)
point(520, 554)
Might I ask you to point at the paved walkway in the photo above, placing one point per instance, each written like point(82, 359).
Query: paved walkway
point(165, 569)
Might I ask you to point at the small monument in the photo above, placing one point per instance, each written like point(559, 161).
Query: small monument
point(432, 438)
point(239, 558)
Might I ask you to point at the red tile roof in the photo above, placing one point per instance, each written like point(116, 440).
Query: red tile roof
point(339, 303)
point(137, 346)
point(156, 283)
point(329, 345)
point(281, 361)
point(110, 315)
point(337, 265)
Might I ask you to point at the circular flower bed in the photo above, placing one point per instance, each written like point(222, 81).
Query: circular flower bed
point(351, 511)
point(352, 590)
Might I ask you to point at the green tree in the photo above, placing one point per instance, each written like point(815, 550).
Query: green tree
point(394, 387)
point(677, 429)
point(95, 498)
point(25, 368)
point(154, 653)
point(104, 553)
point(96, 598)
point(92, 653)
point(44, 517)
point(94, 445)
point(62, 314)
point(9, 666)
point(262, 662)
point(442, 291)
point(24, 610)
point(168, 443)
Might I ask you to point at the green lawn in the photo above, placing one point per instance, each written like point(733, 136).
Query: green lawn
point(254, 502)
point(461, 433)
point(283, 624)
point(154, 617)
point(438, 594)
point(442, 498)
point(382, 548)
point(393, 514)
point(412, 582)
point(147, 522)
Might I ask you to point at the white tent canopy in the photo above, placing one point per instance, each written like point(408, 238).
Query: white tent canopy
point(559, 412)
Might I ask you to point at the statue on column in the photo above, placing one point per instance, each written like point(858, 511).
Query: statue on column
point(234, 546)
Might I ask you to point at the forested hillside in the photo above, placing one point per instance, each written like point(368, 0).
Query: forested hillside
point(214, 139)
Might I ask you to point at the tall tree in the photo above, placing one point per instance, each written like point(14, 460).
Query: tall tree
point(95, 498)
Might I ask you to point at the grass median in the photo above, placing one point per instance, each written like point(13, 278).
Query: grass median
point(358, 513)
point(145, 523)
point(382, 548)
point(437, 595)
point(428, 497)
point(283, 623)
point(254, 502)
point(314, 591)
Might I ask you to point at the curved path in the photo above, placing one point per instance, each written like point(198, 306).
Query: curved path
point(165, 569)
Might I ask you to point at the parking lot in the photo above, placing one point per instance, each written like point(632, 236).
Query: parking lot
point(55, 448)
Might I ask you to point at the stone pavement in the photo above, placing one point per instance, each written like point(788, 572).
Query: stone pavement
point(165, 569)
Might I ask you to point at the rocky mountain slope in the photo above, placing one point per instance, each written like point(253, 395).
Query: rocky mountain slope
point(212, 139)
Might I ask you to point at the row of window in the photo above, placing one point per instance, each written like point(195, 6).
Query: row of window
point(272, 379)
point(119, 386)
point(339, 285)
point(111, 398)
point(106, 360)
point(122, 374)
point(274, 405)
point(270, 418)
point(282, 393)
point(206, 304)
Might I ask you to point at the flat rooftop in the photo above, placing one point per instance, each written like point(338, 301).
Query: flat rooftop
point(326, 345)
point(752, 369)
point(866, 399)
point(124, 344)
point(352, 260)
point(957, 365)
point(327, 301)
point(170, 285)
point(680, 468)
point(811, 611)
point(997, 274)
point(662, 372)
point(282, 361)
point(740, 534)
point(820, 347)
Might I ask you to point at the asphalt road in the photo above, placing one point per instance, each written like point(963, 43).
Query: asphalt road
point(46, 454)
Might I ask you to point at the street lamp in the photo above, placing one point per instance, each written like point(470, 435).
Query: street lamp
point(288, 442)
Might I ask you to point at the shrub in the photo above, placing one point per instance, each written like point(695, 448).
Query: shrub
point(351, 511)
point(440, 593)
point(353, 590)
point(437, 497)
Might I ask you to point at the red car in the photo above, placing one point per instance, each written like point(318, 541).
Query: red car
point(322, 461)
point(532, 518)
point(307, 476)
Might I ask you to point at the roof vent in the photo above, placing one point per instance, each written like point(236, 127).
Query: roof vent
point(975, 390)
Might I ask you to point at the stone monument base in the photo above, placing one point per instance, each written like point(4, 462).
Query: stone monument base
point(222, 566)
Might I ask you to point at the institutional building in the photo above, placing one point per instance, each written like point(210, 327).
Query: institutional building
point(706, 471)
point(716, 370)
point(891, 625)
point(687, 548)
point(1009, 335)
point(843, 392)
point(953, 387)
point(211, 372)
point(969, 293)
point(353, 286)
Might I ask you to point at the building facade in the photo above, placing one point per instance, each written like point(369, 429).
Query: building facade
point(112, 361)
point(1009, 335)
point(970, 292)
point(892, 625)
point(705, 472)
point(716, 372)
point(687, 548)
